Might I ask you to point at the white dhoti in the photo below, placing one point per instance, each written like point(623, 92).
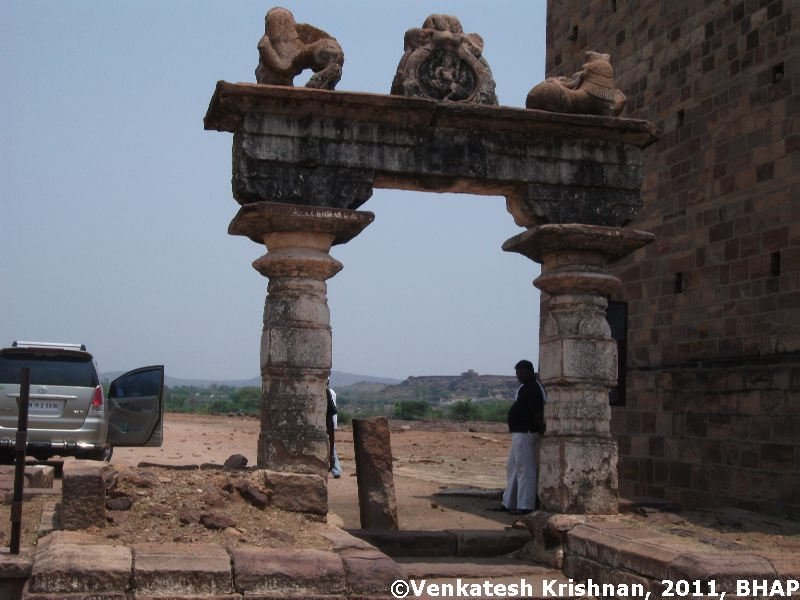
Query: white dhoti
point(522, 472)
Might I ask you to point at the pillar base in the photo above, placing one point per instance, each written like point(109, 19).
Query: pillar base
point(578, 475)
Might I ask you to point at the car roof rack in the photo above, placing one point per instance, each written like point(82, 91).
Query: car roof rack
point(53, 345)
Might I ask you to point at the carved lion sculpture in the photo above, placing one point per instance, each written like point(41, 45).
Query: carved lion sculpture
point(288, 48)
point(589, 91)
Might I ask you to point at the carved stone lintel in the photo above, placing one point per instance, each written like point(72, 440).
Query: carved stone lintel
point(590, 91)
point(443, 63)
point(573, 202)
point(288, 48)
point(302, 146)
point(266, 181)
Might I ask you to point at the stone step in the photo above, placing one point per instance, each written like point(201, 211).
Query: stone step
point(31, 493)
point(70, 565)
point(36, 477)
point(453, 542)
point(483, 578)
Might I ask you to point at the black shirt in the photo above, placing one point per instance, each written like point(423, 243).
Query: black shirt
point(526, 415)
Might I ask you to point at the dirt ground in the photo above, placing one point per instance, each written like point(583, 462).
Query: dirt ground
point(427, 459)
point(432, 457)
point(167, 503)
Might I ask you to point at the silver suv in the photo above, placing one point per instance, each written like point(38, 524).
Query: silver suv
point(68, 413)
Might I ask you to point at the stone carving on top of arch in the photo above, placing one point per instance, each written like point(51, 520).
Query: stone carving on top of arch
point(287, 48)
point(590, 91)
point(443, 63)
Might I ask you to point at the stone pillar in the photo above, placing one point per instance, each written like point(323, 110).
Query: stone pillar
point(578, 361)
point(296, 340)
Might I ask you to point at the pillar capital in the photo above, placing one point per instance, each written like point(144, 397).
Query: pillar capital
point(262, 221)
point(574, 256)
point(298, 237)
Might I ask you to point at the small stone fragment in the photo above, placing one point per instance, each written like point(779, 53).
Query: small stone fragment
point(116, 517)
point(252, 494)
point(215, 520)
point(120, 503)
point(188, 515)
point(235, 462)
point(213, 496)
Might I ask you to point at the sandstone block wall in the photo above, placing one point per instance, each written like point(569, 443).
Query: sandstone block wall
point(713, 388)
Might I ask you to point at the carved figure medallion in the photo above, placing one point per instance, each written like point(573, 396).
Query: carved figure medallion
point(443, 63)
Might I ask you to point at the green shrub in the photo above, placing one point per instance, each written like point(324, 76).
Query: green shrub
point(411, 410)
point(495, 410)
point(465, 410)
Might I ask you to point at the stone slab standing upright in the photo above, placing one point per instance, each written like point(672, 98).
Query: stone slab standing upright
point(373, 451)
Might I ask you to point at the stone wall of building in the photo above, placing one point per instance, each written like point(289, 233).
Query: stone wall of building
point(712, 410)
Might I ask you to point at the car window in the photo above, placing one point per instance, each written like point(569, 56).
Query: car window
point(75, 371)
point(137, 384)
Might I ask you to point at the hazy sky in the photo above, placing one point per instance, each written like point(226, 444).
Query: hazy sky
point(116, 202)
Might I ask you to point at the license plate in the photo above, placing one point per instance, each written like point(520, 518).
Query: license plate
point(45, 407)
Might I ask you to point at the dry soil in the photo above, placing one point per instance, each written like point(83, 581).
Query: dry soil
point(428, 456)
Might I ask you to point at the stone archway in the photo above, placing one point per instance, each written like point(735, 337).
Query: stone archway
point(305, 160)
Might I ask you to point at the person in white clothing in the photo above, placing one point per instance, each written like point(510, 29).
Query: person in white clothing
point(526, 424)
point(331, 424)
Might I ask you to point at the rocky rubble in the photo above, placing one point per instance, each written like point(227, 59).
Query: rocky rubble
point(230, 505)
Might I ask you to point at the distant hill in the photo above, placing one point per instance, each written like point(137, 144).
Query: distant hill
point(338, 380)
point(433, 390)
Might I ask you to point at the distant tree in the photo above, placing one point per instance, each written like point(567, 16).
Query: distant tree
point(247, 400)
point(343, 417)
point(411, 410)
point(495, 410)
point(465, 410)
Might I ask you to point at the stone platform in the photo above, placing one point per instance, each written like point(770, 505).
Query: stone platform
point(609, 550)
point(79, 566)
point(621, 551)
point(543, 549)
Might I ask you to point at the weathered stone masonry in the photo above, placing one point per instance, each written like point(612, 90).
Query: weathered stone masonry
point(305, 159)
point(713, 386)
